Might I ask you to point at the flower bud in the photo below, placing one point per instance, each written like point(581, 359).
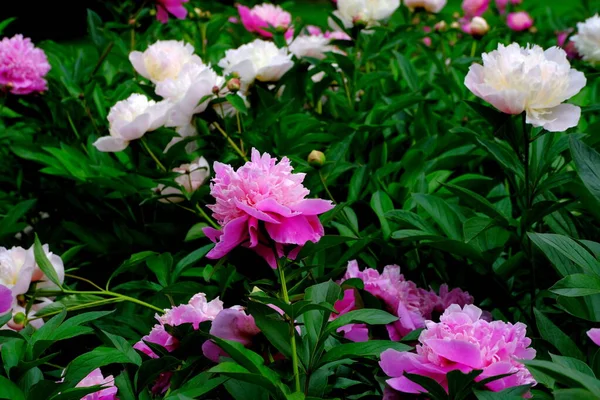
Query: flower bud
point(234, 84)
point(441, 26)
point(455, 25)
point(479, 27)
point(216, 90)
point(316, 159)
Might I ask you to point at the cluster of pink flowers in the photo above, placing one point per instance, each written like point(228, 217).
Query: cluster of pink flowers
point(263, 191)
point(463, 341)
point(96, 378)
point(401, 297)
point(22, 66)
point(472, 24)
point(263, 16)
point(173, 7)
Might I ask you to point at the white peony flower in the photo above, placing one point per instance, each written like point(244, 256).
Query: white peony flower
point(130, 119)
point(515, 80)
point(39, 277)
point(186, 92)
point(16, 269)
point(314, 46)
point(192, 176)
point(368, 12)
point(163, 59)
point(587, 39)
point(432, 6)
point(257, 60)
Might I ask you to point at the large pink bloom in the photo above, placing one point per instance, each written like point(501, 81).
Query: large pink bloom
point(475, 8)
point(96, 378)
point(519, 21)
point(264, 16)
point(22, 66)
point(465, 342)
point(231, 324)
point(262, 190)
point(173, 7)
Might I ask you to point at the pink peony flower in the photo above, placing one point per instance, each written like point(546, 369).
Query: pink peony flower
point(158, 335)
point(6, 299)
point(173, 7)
point(463, 341)
point(455, 296)
point(475, 8)
point(353, 332)
point(22, 66)
point(231, 324)
point(594, 334)
point(262, 190)
point(96, 378)
point(264, 16)
point(519, 21)
point(502, 4)
point(567, 46)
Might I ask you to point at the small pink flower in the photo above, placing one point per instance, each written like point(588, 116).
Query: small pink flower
point(594, 334)
point(233, 20)
point(158, 335)
point(567, 46)
point(22, 66)
point(96, 378)
point(475, 8)
point(231, 324)
point(465, 342)
point(519, 21)
point(6, 299)
point(173, 7)
point(264, 16)
point(262, 191)
point(502, 4)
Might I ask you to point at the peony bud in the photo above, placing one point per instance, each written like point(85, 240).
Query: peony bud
point(234, 84)
point(316, 159)
point(455, 25)
point(216, 90)
point(479, 27)
point(441, 26)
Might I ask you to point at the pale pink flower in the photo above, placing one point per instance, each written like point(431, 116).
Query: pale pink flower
point(262, 191)
point(6, 299)
point(432, 6)
point(16, 269)
point(231, 324)
point(465, 342)
point(22, 66)
point(502, 4)
point(96, 378)
point(475, 8)
point(427, 39)
point(515, 80)
point(264, 16)
point(594, 334)
point(519, 21)
point(587, 39)
point(173, 7)
point(337, 35)
point(158, 335)
point(191, 177)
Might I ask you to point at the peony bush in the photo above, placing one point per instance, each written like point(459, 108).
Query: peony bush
point(303, 200)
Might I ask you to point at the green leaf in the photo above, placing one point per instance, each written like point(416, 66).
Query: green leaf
point(9, 224)
point(566, 247)
point(237, 371)
point(161, 265)
point(504, 155)
point(512, 393)
point(586, 161)
point(564, 375)
point(434, 389)
point(124, 347)
point(572, 394)
point(237, 102)
point(197, 386)
point(442, 214)
point(408, 217)
point(272, 326)
point(577, 285)
point(45, 265)
point(552, 334)
point(195, 232)
point(459, 384)
point(381, 203)
point(408, 71)
point(370, 349)
point(191, 259)
point(573, 363)
point(151, 369)
point(479, 203)
point(9, 390)
point(364, 316)
point(81, 366)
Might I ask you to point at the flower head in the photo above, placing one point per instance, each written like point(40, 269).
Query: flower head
point(22, 66)
point(353, 332)
point(96, 378)
point(432, 6)
point(195, 312)
point(587, 39)
point(173, 7)
point(163, 59)
point(130, 119)
point(231, 324)
point(475, 8)
point(515, 80)
point(314, 46)
point(519, 21)
point(264, 16)
point(262, 190)
point(158, 335)
point(465, 342)
point(257, 60)
point(16, 269)
point(366, 12)
point(192, 176)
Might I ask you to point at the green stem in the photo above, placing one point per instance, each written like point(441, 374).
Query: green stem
point(151, 154)
point(347, 90)
point(473, 48)
point(294, 350)
point(231, 142)
point(207, 218)
point(326, 188)
point(118, 296)
point(528, 204)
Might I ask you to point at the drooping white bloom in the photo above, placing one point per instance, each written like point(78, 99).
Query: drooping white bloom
point(587, 39)
point(515, 79)
point(257, 60)
point(163, 59)
point(39, 277)
point(432, 6)
point(189, 93)
point(368, 12)
point(192, 176)
point(314, 46)
point(16, 269)
point(130, 119)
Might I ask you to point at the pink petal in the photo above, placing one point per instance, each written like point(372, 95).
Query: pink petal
point(458, 351)
point(313, 206)
point(272, 206)
point(296, 230)
point(594, 334)
point(136, 128)
point(6, 299)
point(255, 213)
point(234, 233)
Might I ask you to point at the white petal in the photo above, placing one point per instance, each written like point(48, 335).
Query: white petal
point(137, 60)
point(557, 119)
point(577, 82)
point(110, 144)
point(136, 128)
point(272, 73)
